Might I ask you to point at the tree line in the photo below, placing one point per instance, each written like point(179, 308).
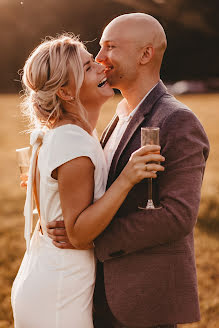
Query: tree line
point(192, 29)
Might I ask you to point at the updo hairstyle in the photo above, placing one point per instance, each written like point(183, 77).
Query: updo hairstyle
point(46, 70)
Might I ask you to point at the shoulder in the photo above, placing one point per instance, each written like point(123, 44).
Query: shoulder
point(171, 110)
point(171, 105)
point(69, 131)
point(180, 126)
point(70, 135)
point(71, 141)
point(167, 111)
point(176, 120)
point(66, 143)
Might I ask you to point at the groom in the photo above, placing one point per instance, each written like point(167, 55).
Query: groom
point(146, 274)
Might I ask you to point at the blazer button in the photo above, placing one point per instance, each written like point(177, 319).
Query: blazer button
point(115, 254)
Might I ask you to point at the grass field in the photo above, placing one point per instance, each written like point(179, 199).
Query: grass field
point(12, 200)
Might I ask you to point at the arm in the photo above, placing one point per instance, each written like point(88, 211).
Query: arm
point(85, 221)
point(185, 147)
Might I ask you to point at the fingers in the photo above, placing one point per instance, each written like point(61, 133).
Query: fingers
point(154, 167)
point(23, 179)
point(151, 158)
point(57, 232)
point(23, 184)
point(63, 239)
point(149, 167)
point(149, 170)
point(147, 149)
point(150, 174)
point(58, 235)
point(55, 224)
point(143, 170)
point(63, 245)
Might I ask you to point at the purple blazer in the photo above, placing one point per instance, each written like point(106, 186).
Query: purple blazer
point(148, 256)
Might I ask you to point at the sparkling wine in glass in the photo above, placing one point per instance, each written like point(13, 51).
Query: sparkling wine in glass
point(149, 136)
point(23, 159)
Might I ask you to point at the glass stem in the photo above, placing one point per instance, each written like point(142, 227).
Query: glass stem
point(150, 204)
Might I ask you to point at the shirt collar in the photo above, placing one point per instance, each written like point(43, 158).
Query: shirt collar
point(125, 118)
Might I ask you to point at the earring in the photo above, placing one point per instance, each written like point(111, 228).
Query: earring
point(72, 98)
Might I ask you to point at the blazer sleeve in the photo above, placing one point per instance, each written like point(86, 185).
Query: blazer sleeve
point(185, 147)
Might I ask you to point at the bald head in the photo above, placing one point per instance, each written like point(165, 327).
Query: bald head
point(139, 28)
point(132, 48)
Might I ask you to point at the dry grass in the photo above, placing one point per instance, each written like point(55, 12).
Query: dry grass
point(12, 201)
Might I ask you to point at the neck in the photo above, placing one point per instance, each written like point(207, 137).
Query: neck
point(135, 92)
point(93, 115)
point(93, 112)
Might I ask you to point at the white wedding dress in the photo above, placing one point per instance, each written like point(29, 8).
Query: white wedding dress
point(54, 287)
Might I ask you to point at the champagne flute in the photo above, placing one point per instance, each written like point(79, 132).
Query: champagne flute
point(149, 136)
point(23, 159)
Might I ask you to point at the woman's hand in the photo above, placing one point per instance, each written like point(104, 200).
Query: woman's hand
point(142, 164)
point(23, 180)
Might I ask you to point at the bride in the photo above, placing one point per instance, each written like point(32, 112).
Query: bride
point(65, 89)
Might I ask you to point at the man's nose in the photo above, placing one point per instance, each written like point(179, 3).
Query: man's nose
point(100, 57)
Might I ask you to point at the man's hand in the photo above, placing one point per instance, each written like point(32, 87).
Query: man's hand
point(56, 231)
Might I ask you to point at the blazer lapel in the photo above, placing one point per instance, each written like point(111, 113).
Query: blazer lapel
point(108, 131)
point(140, 115)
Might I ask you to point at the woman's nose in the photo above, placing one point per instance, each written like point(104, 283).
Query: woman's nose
point(100, 68)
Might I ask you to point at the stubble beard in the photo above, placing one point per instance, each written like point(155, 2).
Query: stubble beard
point(114, 80)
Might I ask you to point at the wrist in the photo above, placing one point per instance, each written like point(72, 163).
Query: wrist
point(124, 183)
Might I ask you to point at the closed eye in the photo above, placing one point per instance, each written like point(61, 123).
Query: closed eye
point(110, 46)
point(89, 62)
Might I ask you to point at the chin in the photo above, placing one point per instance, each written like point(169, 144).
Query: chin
point(106, 91)
point(111, 92)
point(106, 96)
point(113, 83)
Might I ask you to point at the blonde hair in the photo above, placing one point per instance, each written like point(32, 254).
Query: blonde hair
point(46, 70)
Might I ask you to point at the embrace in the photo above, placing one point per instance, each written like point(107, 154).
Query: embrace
point(96, 259)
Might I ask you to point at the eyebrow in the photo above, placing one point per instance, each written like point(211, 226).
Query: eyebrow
point(106, 41)
point(88, 62)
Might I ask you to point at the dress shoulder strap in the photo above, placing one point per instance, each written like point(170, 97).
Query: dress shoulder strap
point(36, 140)
point(36, 198)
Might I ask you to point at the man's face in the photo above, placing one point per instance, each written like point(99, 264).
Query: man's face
point(119, 56)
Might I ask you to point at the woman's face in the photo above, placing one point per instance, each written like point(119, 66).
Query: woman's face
point(95, 90)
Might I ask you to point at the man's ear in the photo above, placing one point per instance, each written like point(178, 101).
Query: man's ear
point(64, 94)
point(146, 54)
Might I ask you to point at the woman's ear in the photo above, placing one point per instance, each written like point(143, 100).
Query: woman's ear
point(146, 54)
point(64, 94)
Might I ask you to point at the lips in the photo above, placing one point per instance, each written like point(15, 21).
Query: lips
point(108, 69)
point(102, 82)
